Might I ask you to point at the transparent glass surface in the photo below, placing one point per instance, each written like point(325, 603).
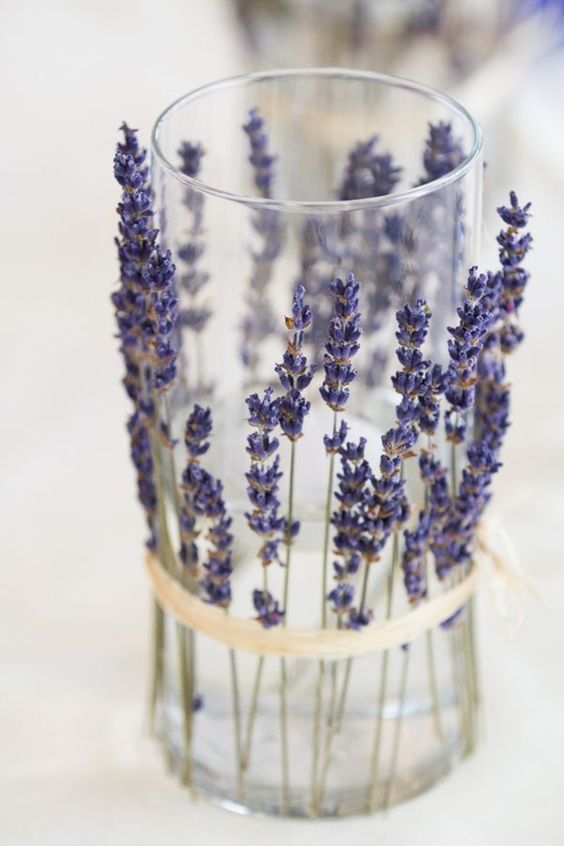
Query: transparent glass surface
point(251, 251)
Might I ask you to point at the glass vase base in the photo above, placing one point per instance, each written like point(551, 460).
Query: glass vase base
point(345, 784)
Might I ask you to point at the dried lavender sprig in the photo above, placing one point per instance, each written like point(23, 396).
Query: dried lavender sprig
point(464, 348)
point(263, 481)
point(192, 279)
point(443, 151)
point(294, 372)
point(295, 376)
point(194, 488)
point(388, 507)
point(146, 311)
point(367, 238)
point(261, 159)
point(513, 277)
point(340, 348)
point(342, 343)
point(383, 504)
point(135, 246)
point(259, 322)
point(368, 174)
point(203, 502)
point(162, 312)
point(347, 521)
point(502, 296)
point(142, 459)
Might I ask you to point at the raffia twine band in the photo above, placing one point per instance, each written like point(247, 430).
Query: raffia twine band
point(327, 644)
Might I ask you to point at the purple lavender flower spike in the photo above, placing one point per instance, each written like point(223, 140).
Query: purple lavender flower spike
point(263, 480)
point(465, 346)
point(260, 323)
point(333, 444)
point(261, 158)
point(142, 459)
point(216, 584)
point(350, 545)
point(198, 431)
point(368, 174)
point(415, 384)
point(413, 559)
point(193, 279)
point(360, 618)
point(342, 597)
point(135, 246)
point(269, 613)
point(294, 372)
point(162, 312)
point(514, 215)
point(342, 344)
point(443, 152)
point(513, 278)
point(197, 486)
point(454, 545)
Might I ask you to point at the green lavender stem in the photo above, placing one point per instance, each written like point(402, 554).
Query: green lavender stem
point(461, 651)
point(185, 647)
point(335, 717)
point(316, 746)
point(283, 667)
point(284, 738)
point(156, 689)
point(252, 714)
point(185, 637)
point(435, 699)
point(317, 738)
point(397, 731)
point(235, 696)
point(375, 766)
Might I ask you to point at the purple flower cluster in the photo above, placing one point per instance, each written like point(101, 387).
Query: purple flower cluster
point(261, 158)
point(349, 522)
point(263, 481)
point(464, 348)
point(490, 306)
point(368, 174)
point(162, 312)
point(135, 245)
point(443, 151)
point(194, 486)
point(259, 323)
point(420, 386)
point(140, 450)
point(268, 610)
point(193, 279)
point(513, 277)
point(202, 499)
point(294, 372)
point(507, 288)
point(453, 545)
point(413, 559)
point(342, 344)
point(142, 321)
point(216, 584)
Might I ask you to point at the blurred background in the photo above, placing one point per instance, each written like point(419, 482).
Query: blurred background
point(76, 764)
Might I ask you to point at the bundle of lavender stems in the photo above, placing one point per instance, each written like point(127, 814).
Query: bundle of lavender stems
point(367, 510)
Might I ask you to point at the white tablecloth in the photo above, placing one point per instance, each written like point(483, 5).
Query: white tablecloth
point(76, 766)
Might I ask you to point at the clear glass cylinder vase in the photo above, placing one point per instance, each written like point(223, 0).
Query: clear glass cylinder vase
point(262, 184)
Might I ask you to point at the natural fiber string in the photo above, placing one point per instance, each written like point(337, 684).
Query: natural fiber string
point(327, 644)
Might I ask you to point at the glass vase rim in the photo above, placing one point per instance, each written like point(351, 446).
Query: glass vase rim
point(321, 206)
